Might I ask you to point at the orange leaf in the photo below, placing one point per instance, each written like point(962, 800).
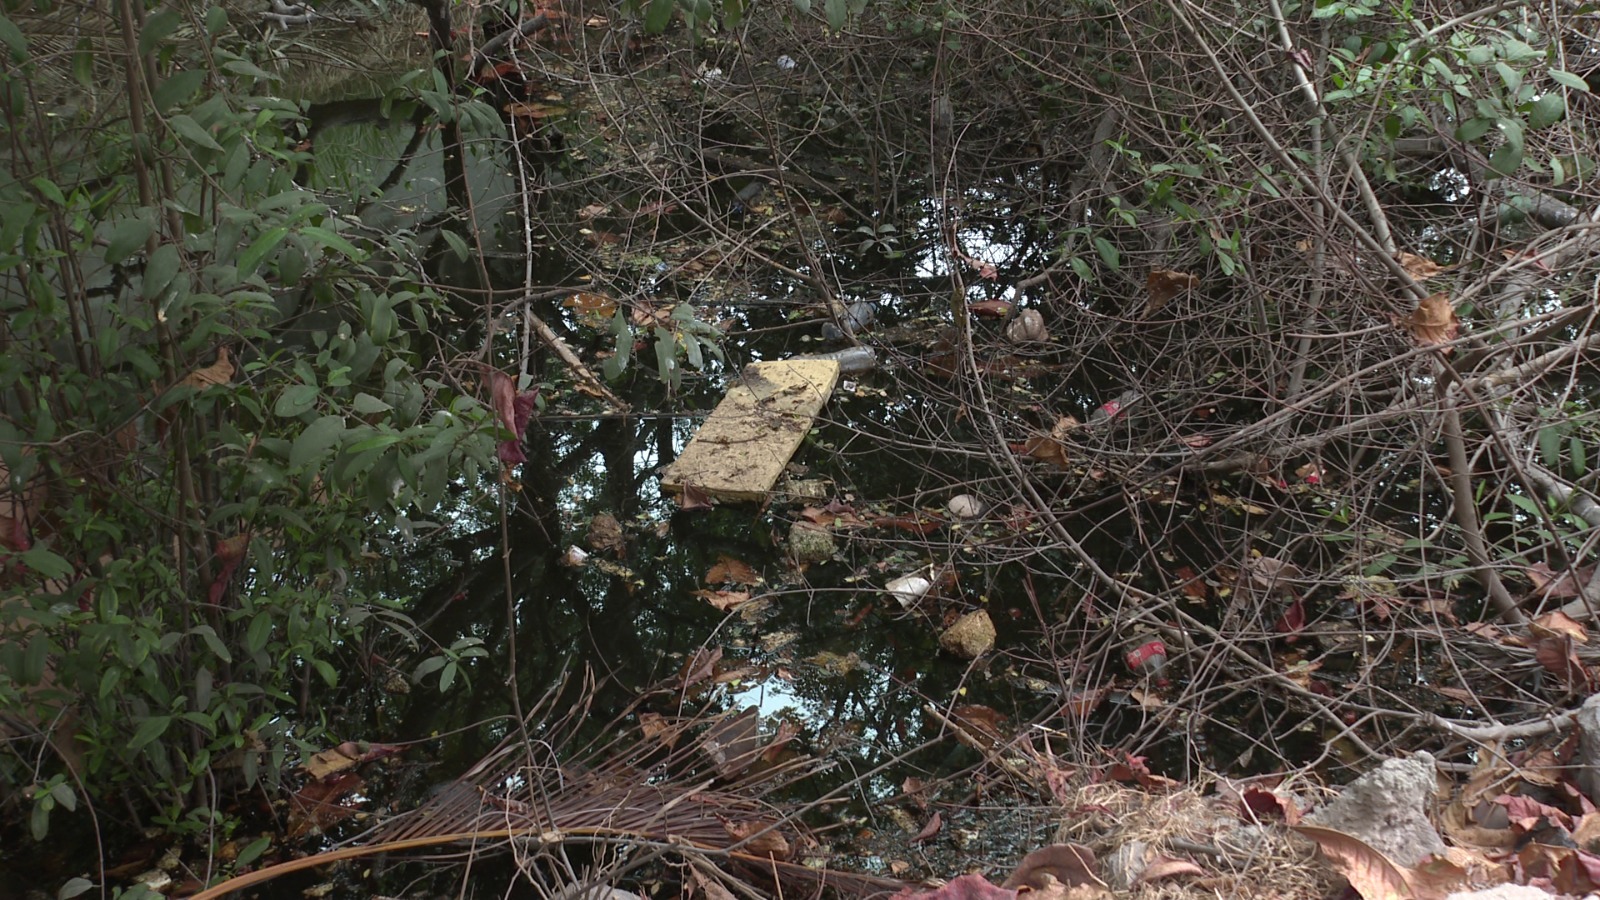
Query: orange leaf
point(1433, 322)
point(730, 569)
point(1419, 267)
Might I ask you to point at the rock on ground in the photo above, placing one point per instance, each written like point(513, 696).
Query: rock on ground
point(1387, 808)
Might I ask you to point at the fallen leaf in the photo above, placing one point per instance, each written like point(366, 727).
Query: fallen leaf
point(694, 497)
point(1559, 624)
point(1164, 284)
point(723, 600)
point(347, 755)
point(930, 829)
point(967, 887)
point(534, 111)
point(1433, 322)
point(317, 807)
point(1166, 867)
point(761, 838)
point(1268, 806)
point(605, 533)
point(1419, 267)
point(513, 410)
point(591, 304)
point(700, 665)
point(991, 309)
point(733, 744)
point(219, 372)
point(1070, 864)
point(1372, 875)
point(729, 569)
point(1293, 620)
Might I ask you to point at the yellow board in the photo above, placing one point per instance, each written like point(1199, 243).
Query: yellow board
point(742, 447)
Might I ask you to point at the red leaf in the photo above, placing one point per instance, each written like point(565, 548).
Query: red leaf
point(967, 887)
point(513, 410)
point(1293, 620)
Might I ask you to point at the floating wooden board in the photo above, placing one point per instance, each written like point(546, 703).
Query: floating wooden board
point(742, 447)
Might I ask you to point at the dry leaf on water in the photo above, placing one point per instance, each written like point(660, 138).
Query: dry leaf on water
point(1433, 322)
point(1372, 875)
point(723, 600)
point(1164, 284)
point(763, 839)
point(729, 569)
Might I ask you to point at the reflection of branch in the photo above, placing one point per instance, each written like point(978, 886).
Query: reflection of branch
point(587, 382)
point(1471, 525)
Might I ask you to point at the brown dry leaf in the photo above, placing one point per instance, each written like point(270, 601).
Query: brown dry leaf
point(219, 372)
point(1419, 267)
point(764, 839)
point(1069, 864)
point(1433, 322)
point(591, 304)
point(929, 830)
point(694, 497)
point(729, 569)
point(700, 665)
point(534, 111)
point(723, 600)
point(1559, 656)
point(1167, 867)
point(733, 744)
point(710, 884)
point(1553, 586)
point(1559, 624)
point(1164, 284)
point(1052, 448)
point(593, 210)
point(605, 533)
point(1268, 805)
point(1372, 875)
point(653, 726)
point(316, 806)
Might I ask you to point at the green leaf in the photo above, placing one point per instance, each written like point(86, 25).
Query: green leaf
point(252, 852)
point(64, 796)
point(1568, 80)
point(1474, 128)
point(48, 188)
point(658, 15)
point(295, 400)
point(326, 670)
point(73, 888)
point(127, 237)
point(48, 564)
point(259, 248)
point(803, 7)
point(427, 667)
point(457, 243)
point(315, 440)
point(151, 728)
point(12, 37)
point(836, 13)
point(1580, 457)
point(1108, 253)
point(1507, 159)
point(330, 239)
point(178, 88)
point(159, 270)
point(368, 405)
point(260, 631)
point(191, 131)
point(160, 24)
point(209, 635)
point(216, 19)
point(448, 676)
point(1547, 111)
